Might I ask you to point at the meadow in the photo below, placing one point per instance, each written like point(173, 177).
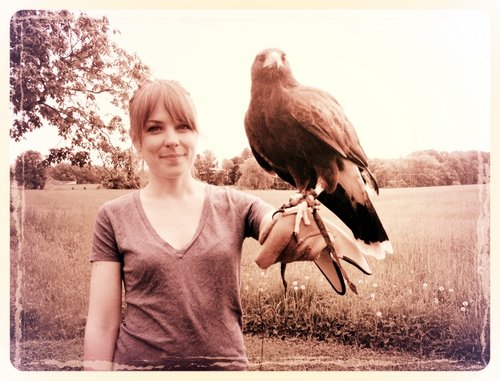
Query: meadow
point(431, 298)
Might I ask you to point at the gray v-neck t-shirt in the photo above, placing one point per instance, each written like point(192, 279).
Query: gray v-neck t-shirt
point(183, 307)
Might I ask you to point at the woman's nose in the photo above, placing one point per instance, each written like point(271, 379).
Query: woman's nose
point(171, 137)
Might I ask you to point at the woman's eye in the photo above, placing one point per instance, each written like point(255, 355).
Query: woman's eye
point(153, 128)
point(183, 127)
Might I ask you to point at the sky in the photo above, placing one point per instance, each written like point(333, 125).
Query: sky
point(408, 80)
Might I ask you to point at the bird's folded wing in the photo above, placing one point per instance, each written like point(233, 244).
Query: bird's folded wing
point(318, 112)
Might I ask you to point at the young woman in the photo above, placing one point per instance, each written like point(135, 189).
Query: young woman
point(175, 246)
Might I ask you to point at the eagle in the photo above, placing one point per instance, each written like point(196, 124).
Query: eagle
point(303, 135)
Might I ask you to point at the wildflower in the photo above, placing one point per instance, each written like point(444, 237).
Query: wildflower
point(360, 281)
point(436, 300)
point(372, 296)
point(302, 287)
point(379, 314)
point(462, 309)
point(295, 283)
point(295, 288)
point(465, 304)
point(261, 289)
point(375, 285)
point(425, 285)
point(450, 290)
point(441, 288)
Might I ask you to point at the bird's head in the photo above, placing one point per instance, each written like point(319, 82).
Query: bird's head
point(270, 65)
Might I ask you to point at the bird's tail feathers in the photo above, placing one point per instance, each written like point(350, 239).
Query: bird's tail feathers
point(377, 250)
point(361, 219)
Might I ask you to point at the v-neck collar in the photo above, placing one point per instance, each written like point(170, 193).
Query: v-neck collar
point(168, 247)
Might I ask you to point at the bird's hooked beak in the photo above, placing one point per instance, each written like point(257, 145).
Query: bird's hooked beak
point(273, 58)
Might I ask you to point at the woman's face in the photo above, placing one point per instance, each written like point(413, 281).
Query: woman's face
point(168, 147)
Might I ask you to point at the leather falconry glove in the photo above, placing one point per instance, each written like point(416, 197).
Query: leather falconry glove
point(280, 244)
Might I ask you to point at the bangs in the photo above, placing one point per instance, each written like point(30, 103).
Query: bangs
point(175, 99)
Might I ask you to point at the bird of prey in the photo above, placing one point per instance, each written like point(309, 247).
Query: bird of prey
point(302, 134)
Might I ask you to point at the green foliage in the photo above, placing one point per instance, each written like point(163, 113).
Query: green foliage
point(253, 176)
point(280, 184)
point(30, 172)
point(206, 167)
point(63, 68)
point(120, 181)
point(63, 172)
point(432, 168)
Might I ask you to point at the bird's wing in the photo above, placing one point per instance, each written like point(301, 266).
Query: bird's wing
point(320, 114)
point(262, 162)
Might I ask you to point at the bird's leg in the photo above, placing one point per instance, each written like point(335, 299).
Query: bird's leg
point(299, 204)
point(283, 268)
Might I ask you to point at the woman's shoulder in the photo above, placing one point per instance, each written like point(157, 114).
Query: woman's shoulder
point(121, 202)
point(233, 196)
point(227, 192)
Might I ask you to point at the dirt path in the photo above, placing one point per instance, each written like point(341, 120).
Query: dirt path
point(308, 355)
point(269, 354)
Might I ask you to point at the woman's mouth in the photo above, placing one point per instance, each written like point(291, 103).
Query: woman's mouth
point(172, 156)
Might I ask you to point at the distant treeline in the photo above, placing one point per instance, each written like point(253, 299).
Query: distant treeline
point(419, 169)
point(433, 168)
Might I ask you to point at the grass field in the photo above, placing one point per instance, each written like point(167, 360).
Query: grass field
point(431, 298)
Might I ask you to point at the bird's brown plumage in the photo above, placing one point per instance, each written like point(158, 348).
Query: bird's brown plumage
point(303, 135)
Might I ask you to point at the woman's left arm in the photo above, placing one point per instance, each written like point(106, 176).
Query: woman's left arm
point(266, 220)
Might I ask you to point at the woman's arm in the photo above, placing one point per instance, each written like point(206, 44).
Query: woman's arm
point(268, 217)
point(104, 315)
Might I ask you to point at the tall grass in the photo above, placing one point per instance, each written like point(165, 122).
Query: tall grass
point(50, 253)
point(430, 297)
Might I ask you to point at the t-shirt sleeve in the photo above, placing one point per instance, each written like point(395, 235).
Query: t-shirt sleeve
point(256, 210)
point(104, 246)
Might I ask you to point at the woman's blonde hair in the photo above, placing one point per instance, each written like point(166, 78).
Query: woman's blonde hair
point(175, 98)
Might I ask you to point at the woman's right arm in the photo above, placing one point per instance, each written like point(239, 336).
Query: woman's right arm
point(104, 315)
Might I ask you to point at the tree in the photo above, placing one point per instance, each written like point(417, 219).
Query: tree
point(63, 69)
point(227, 172)
point(246, 154)
point(253, 176)
point(124, 174)
point(206, 167)
point(30, 172)
point(279, 184)
point(62, 172)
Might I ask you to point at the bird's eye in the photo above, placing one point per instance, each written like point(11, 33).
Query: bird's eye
point(261, 57)
point(283, 57)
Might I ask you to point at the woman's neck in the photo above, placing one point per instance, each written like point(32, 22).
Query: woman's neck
point(174, 188)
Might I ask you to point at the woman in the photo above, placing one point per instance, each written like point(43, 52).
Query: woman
point(176, 246)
